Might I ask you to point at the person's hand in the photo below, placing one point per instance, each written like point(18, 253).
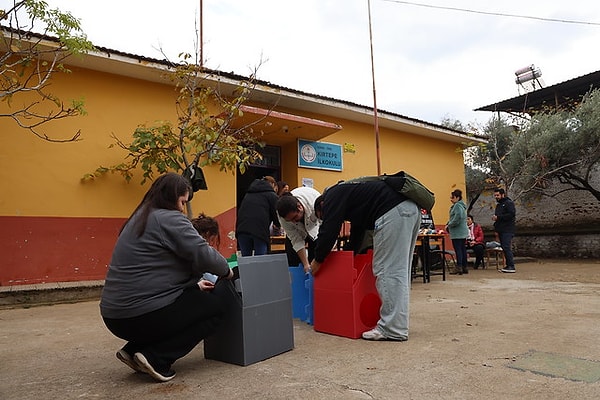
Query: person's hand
point(205, 285)
point(494, 218)
point(306, 268)
point(314, 267)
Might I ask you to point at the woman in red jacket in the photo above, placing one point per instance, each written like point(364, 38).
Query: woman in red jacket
point(475, 240)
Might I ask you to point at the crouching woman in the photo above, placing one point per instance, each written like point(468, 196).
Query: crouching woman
point(152, 298)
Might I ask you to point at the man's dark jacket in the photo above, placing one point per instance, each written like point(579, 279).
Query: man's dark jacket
point(361, 204)
point(506, 213)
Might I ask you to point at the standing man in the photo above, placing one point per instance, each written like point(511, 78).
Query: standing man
point(504, 225)
point(395, 221)
point(299, 222)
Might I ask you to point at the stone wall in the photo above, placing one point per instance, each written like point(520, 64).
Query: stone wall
point(564, 226)
point(558, 246)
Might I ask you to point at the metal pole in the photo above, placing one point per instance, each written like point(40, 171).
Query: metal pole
point(201, 38)
point(376, 122)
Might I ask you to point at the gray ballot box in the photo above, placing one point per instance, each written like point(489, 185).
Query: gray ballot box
point(259, 324)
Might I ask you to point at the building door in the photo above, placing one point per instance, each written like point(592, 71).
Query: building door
point(269, 165)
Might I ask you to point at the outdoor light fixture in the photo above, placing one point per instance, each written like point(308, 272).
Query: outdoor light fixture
point(529, 78)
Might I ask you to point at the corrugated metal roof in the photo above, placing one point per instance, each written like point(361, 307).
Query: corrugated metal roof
point(562, 95)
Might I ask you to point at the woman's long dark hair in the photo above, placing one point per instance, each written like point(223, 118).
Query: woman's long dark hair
point(164, 193)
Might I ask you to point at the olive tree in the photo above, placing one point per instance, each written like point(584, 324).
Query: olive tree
point(548, 154)
point(560, 147)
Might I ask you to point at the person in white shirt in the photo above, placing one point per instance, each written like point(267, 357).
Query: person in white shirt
point(298, 220)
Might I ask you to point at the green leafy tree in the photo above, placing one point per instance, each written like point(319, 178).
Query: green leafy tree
point(560, 147)
point(487, 162)
point(28, 61)
point(476, 159)
point(548, 154)
point(204, 133)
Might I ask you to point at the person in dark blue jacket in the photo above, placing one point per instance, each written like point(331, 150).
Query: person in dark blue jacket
point(255, 215)
point(504, 225)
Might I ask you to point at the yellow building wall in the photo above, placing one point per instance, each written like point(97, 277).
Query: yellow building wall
point(39, 178)
point(53, 227)
point(439, 165)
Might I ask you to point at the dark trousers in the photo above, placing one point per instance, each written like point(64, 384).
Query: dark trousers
point(506, 244)
point(292, 255)
point(460, 248)
point(249, 243)
point(167, 334)
point(479, 250)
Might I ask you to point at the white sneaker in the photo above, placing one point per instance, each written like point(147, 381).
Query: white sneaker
point(373, 334)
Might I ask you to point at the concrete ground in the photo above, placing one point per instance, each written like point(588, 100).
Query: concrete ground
point(529, 335)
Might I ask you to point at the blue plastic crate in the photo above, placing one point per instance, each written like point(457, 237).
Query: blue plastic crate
point(302, 293)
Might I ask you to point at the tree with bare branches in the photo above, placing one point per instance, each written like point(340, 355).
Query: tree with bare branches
point(29, 60)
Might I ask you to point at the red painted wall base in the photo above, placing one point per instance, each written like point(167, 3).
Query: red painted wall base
point(36, 250)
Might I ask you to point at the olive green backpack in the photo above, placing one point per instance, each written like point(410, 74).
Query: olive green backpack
point(405, 184)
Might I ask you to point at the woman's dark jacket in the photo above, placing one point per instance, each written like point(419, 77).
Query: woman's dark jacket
point(257, 211)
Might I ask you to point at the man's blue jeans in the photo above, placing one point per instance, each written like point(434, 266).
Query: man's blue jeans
point(506, 244)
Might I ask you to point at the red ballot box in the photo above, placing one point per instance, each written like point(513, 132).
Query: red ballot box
point(345, 301)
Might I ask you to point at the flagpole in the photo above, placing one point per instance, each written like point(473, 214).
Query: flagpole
point(376, 119)
point(200, 44)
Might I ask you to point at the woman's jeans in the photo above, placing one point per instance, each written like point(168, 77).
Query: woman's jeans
point(249, 243)
point(460, 248)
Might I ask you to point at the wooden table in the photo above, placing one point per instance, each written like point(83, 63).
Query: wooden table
point(423, 247)
point(278, 244)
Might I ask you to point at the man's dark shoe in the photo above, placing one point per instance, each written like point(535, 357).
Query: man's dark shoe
point(455, 271)
point(145, 366)
point(509, 270)
point(465, 270)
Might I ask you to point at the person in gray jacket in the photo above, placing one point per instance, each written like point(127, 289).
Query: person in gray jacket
point(153, 296)
point(459, 231)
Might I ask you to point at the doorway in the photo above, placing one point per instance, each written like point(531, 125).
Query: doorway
point(269, 165)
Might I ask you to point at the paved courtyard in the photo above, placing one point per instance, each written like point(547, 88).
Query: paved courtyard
point(529, 335)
